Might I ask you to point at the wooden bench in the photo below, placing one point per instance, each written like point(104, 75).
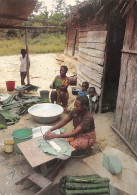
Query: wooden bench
point(36, 157)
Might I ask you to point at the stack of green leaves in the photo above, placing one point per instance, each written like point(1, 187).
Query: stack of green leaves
point(21, 102)
point(3, 124)
point(89, 184)
point(16, 105)
point(30, 102)
point(28, 88)
point(7, 118)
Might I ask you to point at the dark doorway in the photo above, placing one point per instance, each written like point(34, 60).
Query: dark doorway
point(115, 38)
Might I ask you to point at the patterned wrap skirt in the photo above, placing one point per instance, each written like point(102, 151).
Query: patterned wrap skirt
point(82, 140)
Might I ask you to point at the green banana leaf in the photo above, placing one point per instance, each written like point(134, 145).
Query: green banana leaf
point(2, 122)
point(9, 117)
point(27, 88)
point(8, 100)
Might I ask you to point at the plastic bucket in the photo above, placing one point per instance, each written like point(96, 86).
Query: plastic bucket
point(10, 85)
point(44, 94)
point(21, 135)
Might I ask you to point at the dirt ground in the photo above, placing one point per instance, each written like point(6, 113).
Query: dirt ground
point(43, 69)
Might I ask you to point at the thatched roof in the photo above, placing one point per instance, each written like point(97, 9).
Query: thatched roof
point(99, 9)
point(14, 12)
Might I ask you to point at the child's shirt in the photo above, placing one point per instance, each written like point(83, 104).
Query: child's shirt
point(23, 67)
point(93, 103)
point(92, 99)
point(82, 93)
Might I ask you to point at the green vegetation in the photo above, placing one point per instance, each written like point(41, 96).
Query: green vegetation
point(39, 41)
point(44, 43)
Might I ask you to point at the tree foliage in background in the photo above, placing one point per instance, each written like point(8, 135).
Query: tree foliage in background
point(39, 8)
point(59, 6)
point(41, 17)
point(78, 2)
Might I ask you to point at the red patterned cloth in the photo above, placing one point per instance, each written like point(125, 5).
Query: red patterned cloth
point(82, 140)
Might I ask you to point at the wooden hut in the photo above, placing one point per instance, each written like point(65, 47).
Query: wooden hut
point(102, 35)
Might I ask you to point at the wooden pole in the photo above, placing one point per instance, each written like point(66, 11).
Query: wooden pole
point(29, 27)
point(74, 47)
point(104, 77)
point(26, 40)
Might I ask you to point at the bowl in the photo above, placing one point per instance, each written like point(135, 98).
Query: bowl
point(46, 112)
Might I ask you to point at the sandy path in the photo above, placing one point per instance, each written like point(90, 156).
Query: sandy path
point(43, 69)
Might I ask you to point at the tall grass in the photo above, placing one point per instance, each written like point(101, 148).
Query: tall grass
point(44, 43)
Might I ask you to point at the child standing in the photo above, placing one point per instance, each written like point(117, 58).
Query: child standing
point(93, 100)
point(81, 92)
point(23, 67)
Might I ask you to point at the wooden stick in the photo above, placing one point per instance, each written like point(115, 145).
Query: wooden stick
point(12, 17)
point(28, 63)
point(29, 27)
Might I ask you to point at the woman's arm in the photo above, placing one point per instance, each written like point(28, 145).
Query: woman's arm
point(52, 85)
point(59, 125)
point(76, 131)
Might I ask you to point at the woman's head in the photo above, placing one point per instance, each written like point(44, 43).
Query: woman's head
point(63, 70)
point(81, 103)
point(85, 86)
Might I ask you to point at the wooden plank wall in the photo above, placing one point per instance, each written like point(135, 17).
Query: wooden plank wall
point(92, 43)
point(71, 48)
point(126, 109)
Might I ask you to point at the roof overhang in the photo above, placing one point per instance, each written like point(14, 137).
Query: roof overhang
point(15, 12)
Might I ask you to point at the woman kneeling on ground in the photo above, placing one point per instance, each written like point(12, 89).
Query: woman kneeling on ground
point(83, 136)
point(60, 83)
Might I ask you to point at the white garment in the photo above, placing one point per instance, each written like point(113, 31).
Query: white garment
point(94, 98)
point(92, 101)
point(23, 67)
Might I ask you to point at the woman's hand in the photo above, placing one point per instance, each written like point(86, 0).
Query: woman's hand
point(47, 132)
point(49, 136)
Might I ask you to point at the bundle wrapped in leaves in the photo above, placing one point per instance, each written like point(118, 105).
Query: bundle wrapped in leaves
point(89, 184)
